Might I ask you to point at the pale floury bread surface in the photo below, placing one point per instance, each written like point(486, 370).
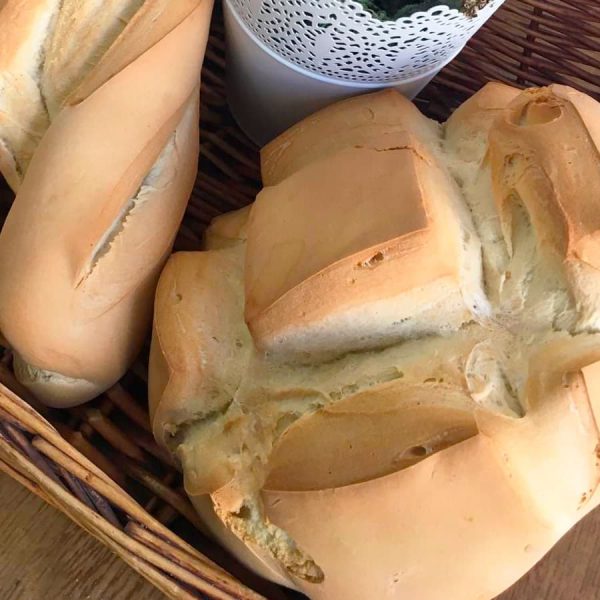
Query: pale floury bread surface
point(99, 140)
point(384, 376)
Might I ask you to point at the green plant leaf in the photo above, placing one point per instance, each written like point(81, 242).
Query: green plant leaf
point(396, 9)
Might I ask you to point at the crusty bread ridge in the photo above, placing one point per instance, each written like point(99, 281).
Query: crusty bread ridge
point(476, 438)
point(101, 186)
point(310, 277)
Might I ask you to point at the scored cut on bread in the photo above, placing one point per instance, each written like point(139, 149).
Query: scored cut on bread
point(102, 190)
point(553, 157)
point(404, 532)
point(390, 459)
point(314, 270)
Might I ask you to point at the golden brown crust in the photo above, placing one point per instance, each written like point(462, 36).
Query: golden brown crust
point(369, 435)
point(196, 288)
point(403, 532)
point(153, 20)
point(111, 178)
point(542, 151)
point(227, 230)
point(350, 453)
point(23, 118)
point(311, 261)
point(467, 129)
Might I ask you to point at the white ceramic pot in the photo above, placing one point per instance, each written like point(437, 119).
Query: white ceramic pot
point(288, 58)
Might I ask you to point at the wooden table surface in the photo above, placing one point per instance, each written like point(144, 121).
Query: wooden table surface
point(43, 556)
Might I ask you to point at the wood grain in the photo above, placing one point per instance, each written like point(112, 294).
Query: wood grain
point(45, 556)
point(570, 572)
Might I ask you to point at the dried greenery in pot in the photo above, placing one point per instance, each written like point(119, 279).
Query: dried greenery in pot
point(390, 10)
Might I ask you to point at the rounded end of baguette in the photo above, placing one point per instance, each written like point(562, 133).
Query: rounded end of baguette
point(54, 389)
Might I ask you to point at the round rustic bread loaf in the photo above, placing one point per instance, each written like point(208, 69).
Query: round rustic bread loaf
point(382, 379)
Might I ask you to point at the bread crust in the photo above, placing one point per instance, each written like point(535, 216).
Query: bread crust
point(23, 118)
point(100, 204)
point(334, 465)
point(338, 240)
point(403, 532)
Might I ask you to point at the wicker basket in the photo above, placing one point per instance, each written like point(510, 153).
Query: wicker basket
point(98, 463)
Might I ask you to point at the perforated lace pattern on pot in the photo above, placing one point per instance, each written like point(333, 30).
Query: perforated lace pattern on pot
point(342, 40)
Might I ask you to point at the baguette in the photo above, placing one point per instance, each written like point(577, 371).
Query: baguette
point(99, 137)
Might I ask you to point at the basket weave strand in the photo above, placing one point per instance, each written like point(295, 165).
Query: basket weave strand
point(98, 463)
